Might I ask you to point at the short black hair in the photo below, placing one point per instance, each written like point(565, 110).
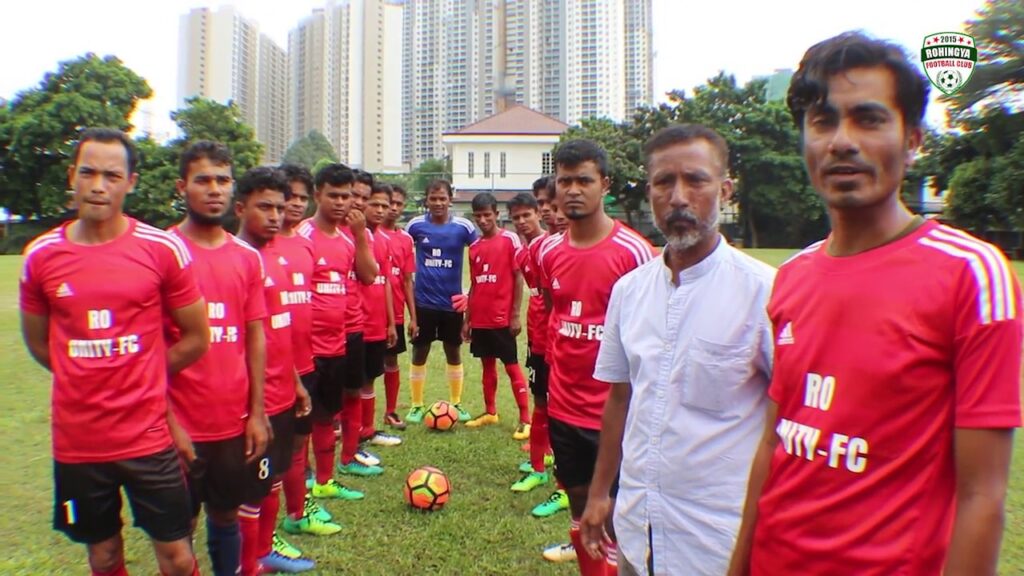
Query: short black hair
point(296, 173)
point(854, 49)
point(108, 136)
point(484, 201)
point(575, 152)
point(363, 177)
point(215, 152)
point(684, 134)
point(262, 178)
point(523, 200)
point(439, 184)
point(335, 174)
point(399, 189)
point(552, 189)
point(540, 184)
point(381, 188)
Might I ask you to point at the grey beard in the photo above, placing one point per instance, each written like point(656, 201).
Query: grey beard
point(683, 242)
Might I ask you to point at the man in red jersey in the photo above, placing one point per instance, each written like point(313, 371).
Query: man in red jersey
point(896, 385)
point(578, 271)
point(492, 315)
point(260, 199)
point(403, 266)
point(103, 342)
point(335, 255)
point(304, 515)
point(523, 209)
point(219, 414)
point(379, 313)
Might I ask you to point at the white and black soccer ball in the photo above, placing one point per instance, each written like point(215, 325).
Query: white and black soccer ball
point(949, 80)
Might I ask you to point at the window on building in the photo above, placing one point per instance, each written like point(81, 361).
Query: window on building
point(545, 164)
point(487, 164)
point(502, 168)
point(469, 164)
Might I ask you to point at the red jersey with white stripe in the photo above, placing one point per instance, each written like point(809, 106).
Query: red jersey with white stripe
point(375, 311)
point(211, 396)
point(536, 315)
point(333, 258)
point(580, 282)
point(356, 319)
point(295, 254)
point(107, 350)
point(879, 358)
point(403, 263)
point(492, 270)
point(279, 388)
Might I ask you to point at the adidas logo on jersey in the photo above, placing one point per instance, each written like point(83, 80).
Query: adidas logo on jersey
point(321, 262)
point(268, 282)
point(426, 240)
point(786, 336)
point(63, 291)
point(555, 285)
point(282, 261)
point(334, 276)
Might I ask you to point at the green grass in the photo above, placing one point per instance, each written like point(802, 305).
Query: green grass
point(485, 529)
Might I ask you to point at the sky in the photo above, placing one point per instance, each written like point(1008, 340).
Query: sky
point(693, 39)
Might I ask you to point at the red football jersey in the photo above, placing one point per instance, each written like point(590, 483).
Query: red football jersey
point(403, 261)
point(580, 282)
point(356, 319)
point(295, 253)
point(375, 313)
point(492, 269)
point(279, 389)
point(536, 315)
point(211, 397)
point(333, 259)
point(107, 350)
point(879, 357)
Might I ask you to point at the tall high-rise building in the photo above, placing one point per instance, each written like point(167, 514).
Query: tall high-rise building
point(344, 59)
point(466, 60)
point(223, 57)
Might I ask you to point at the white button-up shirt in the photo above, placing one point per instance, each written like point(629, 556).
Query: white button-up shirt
point(698, 356)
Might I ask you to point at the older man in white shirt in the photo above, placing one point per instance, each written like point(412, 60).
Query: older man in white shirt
point(687, 348)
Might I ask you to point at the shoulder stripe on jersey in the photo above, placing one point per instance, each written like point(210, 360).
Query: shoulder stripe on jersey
point(47, 239)
point(638, 256)
point(808, 250)
point(996, 296)
point(637, 241)
point(514, 237)
point(305, 229)
point(549, 244)
point(247, 246)
point(183, 258)
point(464, 223)
point(416, 220)
point(539, 240)
point(146, 228)
point(403, 232)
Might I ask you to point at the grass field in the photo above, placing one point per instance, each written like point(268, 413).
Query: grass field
point(486, 529)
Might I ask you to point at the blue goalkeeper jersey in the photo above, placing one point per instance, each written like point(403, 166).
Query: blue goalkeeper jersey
point(439, 251)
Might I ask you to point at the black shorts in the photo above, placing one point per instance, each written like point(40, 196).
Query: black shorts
point(539, 371)
point(355, 350)
point(328, 383)
point(221, 478)
point(494, 343)
point(373, 366)
point(87, 498)
point(575, 451)
point(304, 424)
point(399, 346)
point(442, 325)
point(281, 447)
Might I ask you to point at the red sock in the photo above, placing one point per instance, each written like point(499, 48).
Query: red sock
point(249, 526)
point(323, 451)
point(351, 417)
point(588, 566)
point(392, 380)
point(118, 570)
point(515, 375)
point(611, 559)
point(268, 520)
point(540, 444)
point(369, 404)
point(294, 483)
point(490, 380)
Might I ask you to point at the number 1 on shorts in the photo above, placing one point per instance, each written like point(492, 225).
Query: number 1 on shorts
point(69, 512)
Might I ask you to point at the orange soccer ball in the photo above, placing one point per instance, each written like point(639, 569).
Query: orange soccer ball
point(441, 416)
point(427, 488)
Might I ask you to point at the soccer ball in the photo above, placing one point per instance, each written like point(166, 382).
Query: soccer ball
point(427, 488)
point(441, 416)
point(949, 80)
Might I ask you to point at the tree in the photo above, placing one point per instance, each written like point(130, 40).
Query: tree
point(999, 74)
point(40, 126)
point(427, 172)
point(309, 150)
point(155, 199)
point(203, 119)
